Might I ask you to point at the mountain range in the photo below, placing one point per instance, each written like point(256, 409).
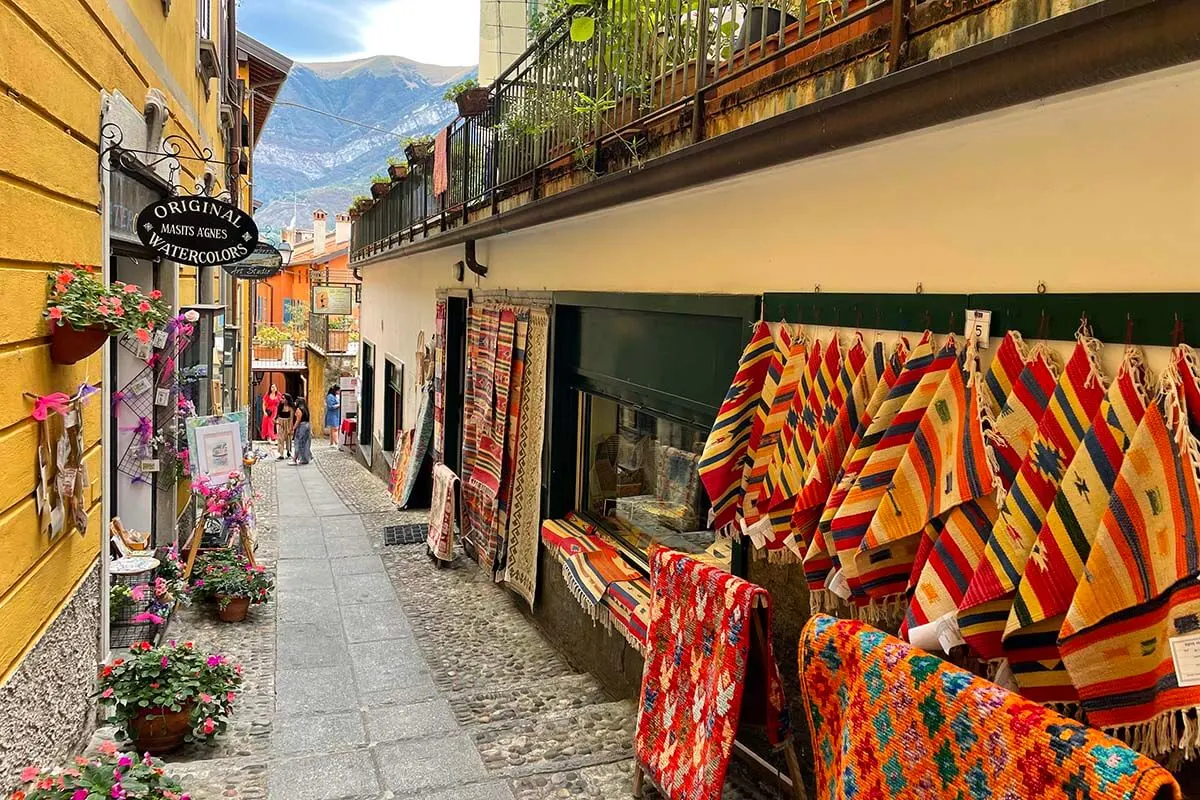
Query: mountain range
point(306, 160)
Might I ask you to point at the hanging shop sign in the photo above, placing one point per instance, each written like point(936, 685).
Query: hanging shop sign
point(264, 262)
point(198, 231)
point(332, 300)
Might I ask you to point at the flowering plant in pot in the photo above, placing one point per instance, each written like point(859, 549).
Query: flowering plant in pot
point(109, 774)
point(228, 500)
point(397, 168)
point(84, 311)
point(161, 697)
point(235, 584)
point(380, 186)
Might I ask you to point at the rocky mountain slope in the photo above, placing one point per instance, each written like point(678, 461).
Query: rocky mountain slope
point(306, 160)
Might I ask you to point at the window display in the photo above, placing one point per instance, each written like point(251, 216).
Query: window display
point(641, 476)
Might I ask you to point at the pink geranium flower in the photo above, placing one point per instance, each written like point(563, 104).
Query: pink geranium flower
point(30, 774)
point(143, 335)
point(209, 725)
point(205, 698)
point(108, 749)
point(125, 761)
point(80, 794)
point(107, 692)
point(56, 313)
point(130, 288)
point(156, 295)
point(214, 661)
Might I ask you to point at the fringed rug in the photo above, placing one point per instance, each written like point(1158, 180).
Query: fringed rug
point(985, 608)
point(437, 445)
point(889, 721)
point(1130, 637)
point(441, 515)
point(700, 666)
point(769, 417)
point(422, 433)
point(524, 512)
point(723, 460)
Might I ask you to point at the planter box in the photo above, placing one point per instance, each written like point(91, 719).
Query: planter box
point(397, 172)
point(473, 102)
point(418, 152)
point(379, 190)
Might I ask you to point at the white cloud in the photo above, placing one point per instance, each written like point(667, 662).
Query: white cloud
point(437, 32)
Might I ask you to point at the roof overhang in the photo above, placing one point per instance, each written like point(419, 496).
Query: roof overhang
point(268, 70)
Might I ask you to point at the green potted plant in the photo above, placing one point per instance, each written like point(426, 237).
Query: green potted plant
point(418, 148)
point(83, 312)
point(360, 204)
point(763, 19)
point(397, 168)
point(236, 585)
point(160, 697)
point(471, 98)
point(380, 185)
point(110, 774)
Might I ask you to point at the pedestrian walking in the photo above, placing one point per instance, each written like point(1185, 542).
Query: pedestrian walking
point(283, 426)
point(302, 438)
point(333, 413)
point(270, 404)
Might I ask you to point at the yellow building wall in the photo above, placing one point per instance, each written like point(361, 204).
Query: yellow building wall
point(56, 57)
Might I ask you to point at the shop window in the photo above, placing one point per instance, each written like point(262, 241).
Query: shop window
point(641, 475)
point(393, 403)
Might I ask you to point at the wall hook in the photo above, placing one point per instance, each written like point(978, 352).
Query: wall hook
point(1041, 287)
point(920, 288)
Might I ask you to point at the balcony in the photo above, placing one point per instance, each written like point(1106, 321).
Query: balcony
point(279, 349)
point(667, 94)
point(332, 335)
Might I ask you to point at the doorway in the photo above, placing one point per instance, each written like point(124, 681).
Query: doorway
point(456, 378)
point(366, 413)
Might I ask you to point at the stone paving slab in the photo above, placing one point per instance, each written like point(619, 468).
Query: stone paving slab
point(318, 733)
point(353, 589)
point(422, 764)
point(315, 689)
point(409, 721)
point(324, 777)
point(391, 664)
point(372, 622)
point(357, 565)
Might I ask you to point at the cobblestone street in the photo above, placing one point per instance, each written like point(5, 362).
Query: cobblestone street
point(373, 674)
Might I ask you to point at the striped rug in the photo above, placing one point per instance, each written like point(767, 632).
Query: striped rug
point(783, 481)
point(768, 421)
point(1018, 421)
point(1075, 400)
point(723, 460)
point(1139, 597)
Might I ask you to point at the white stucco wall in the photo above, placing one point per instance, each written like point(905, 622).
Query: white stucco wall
point(1096, 191)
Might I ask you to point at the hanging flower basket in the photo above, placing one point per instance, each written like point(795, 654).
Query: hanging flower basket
point(473, 102)
point(69, 345)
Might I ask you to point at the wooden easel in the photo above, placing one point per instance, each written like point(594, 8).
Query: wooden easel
point(197, 536)
point(794, 783)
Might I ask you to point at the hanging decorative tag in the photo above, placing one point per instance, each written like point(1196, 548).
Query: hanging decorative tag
point(160, 339)
point(1185, 652)
point(149, 465)
point(162, 397)
point(142, 385)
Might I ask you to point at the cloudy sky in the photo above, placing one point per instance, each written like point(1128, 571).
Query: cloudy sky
point(429, 31)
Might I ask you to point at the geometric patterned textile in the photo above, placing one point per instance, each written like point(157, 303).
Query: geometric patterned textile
point(768, 421)
point(883, 574)
point(1003, 372)
point(441, 515)
point(524, 513)
point(700, 667)
point(1139, 598)
point(1017, 422)
point(438, 445)
point(509, 446)
point(628, 604)
point(723, 461)
point(785, 475)
point(891, 722)
point(1075, 401)
point(1057, 559)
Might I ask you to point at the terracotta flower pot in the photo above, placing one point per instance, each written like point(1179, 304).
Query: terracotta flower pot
point(397, 172)
point(160, 730)
point(473, 102)
point(69, 345)
point(418, 151)
point(234, 610)
point(378, 190)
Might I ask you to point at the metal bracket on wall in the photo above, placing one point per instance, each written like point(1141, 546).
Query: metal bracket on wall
point(175, 149)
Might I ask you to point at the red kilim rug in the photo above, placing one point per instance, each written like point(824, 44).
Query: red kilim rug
point(700, 666)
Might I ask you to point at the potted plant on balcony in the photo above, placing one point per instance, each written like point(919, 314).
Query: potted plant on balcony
point(108, 774)
point(471, 98)
point(397, 168)
point(418, 148)
point(83, 312)
point(763, 19)
point(160, 697)
point(380, 186)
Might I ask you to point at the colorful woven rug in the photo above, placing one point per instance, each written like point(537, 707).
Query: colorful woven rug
point(422, 433)
point(818, 484)
point(700, 667)
point(1057, 558)
point(723, 460)
point(524, 512)
point(778, 388)
point(441, 514)
point(489, 460)
point(437, 445)
point(1022, 411)
point(1004, 371)
point(785, 474)
point(1133, 628)
point(628, 604)
point(511, 433)
point(890, 722)
point(1075, 401)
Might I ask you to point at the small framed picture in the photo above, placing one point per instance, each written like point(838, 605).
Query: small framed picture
point(147, 465)
point(218, 449)
point(142, 385)
point(160, 339)
point(162, 397)
point(143, 351)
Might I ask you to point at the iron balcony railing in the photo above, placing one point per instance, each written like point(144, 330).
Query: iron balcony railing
point(329, 338)
point(571, 94)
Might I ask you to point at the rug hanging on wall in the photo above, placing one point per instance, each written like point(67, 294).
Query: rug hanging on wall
point(441, 515)
point(702, 676)
point(437, 445)
point(509, 443)
point(888, 720)
point(421, 434)
point(524, 512)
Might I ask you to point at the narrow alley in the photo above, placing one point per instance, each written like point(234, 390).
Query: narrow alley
point(374, 674)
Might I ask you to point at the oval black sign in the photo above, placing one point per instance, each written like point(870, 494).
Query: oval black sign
point(198, 231)
point(264, 262)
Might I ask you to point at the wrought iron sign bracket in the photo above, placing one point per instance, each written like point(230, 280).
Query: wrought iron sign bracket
point(175, 150)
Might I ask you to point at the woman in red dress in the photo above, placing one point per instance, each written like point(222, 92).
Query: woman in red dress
point(270, 409)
